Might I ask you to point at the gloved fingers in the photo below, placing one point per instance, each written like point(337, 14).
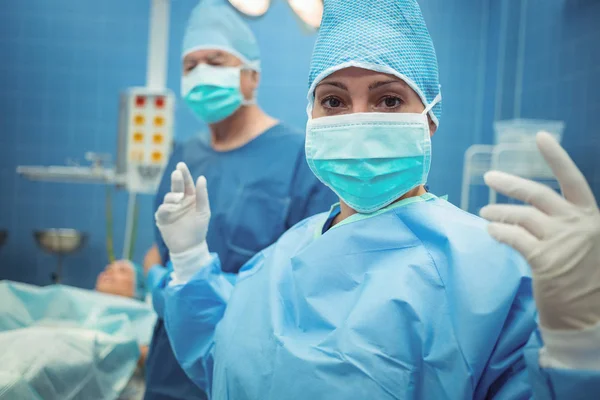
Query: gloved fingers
point(173, 198)
point(530, 218)
point(534, 193)
point(177, 204)
point(187, 178)
point(572, 182)
point(202, 204)
point(514, 236)
point(177, 185)
point(165, 212)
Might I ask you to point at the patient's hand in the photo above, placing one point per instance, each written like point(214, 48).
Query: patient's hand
point(143, 356)
point(151, 259)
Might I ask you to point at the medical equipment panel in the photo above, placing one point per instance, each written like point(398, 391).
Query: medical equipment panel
point(145, 137)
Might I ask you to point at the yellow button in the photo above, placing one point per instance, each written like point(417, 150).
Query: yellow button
point(137, 155)
point(157, 138)
point(139, 120)
point(159, 121)
point(157, 156)
point(138, 137)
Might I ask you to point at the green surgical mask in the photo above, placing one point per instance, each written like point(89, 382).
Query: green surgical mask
point(370, 159)
point(213, 93)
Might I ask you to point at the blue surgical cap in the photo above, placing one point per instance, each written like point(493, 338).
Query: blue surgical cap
point(388, 36)
point(215, 24)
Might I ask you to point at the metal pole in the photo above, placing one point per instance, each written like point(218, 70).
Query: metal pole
point(520, 61)
point(158, 44)
point(501, 60)
point(483, 46)
point(129, 224)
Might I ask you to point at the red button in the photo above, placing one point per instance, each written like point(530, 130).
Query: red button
point(140, 101)
point(160, 102)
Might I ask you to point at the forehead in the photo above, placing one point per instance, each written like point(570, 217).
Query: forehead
point(122, 266)
point(207, 54)
point(352, 76)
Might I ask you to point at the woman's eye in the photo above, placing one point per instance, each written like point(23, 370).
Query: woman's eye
point(391, 102)
point(331, 102)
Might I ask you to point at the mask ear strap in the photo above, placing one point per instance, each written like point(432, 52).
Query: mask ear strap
point(252, 66)
point(435, 101)
point(252, 101)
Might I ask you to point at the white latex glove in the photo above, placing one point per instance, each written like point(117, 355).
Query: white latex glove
point(183, 219)
point(559, 237)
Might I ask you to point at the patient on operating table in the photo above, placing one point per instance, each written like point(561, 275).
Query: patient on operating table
point(121, 278)
point(124, 278)
point(63, 342)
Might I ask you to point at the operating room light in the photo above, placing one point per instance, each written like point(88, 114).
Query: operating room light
point(252, 8)
point(309, 11)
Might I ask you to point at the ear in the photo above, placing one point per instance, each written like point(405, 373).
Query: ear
point(255, 78)
point(432, 126)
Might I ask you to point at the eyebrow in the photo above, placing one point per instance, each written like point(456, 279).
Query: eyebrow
point(215, 56)
point(373, 86)
point(336, 84)
point(379, 84)
point(211, 57)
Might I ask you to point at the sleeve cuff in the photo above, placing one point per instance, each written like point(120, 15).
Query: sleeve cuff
point(576, 349)
point(155, 276)
point(188, 263)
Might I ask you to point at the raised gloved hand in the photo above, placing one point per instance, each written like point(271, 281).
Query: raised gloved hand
point(559, 237)
point(183, 220)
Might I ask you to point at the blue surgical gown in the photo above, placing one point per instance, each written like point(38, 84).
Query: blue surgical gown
point(256, 193)
point(414, 302)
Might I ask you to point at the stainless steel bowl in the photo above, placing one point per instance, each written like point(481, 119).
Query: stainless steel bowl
point(60, 241)
point(3, 237)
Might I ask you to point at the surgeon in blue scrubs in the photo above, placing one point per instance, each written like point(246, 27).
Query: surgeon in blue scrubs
point(260, 184)
point(395, 293)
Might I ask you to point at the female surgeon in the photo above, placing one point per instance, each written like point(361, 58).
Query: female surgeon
point(395, 293)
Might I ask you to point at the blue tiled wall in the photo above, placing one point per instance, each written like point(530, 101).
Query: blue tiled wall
point(64, 65)
point(560, 64)
point(458, 31)
point(561, 70)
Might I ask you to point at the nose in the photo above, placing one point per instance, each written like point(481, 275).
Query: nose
point(360, 106)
